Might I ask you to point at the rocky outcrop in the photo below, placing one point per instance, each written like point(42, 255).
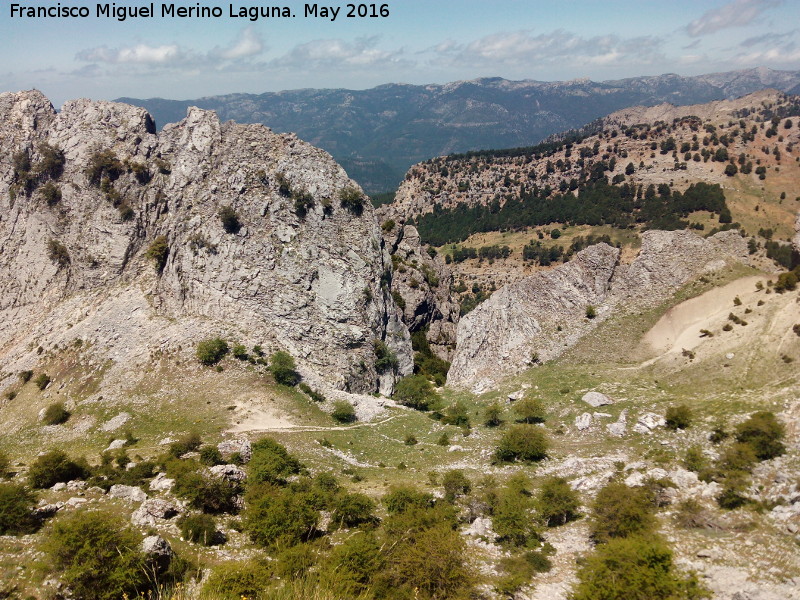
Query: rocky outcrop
point(422, 285)
point(539, 317)
point(294, 270)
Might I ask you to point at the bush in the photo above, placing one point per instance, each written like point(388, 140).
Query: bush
point(25, 376)
point(237, 580)
point(199, 528)
point(211, 456)
point(620, 511)
point(455, 484)
point(158, 251)
point(352, 510)
point(51, 165)
point(314, 395)
point(186, 443)
point(208, 494)
point(678, 417)
point(229, 219)
point(55, 467)
point(282, 519)
point(417, 392)
point(272, 463)
point(511, 517)
point(282, 367)
point(16, 510)
point(210, 352)
point(103, 164)
point(634, 569)
point(42, 380)
point(352, 199)
point(58, 253)
point(5, 465)
point(763, 433)
point(385, 359)
point(97, 557)
point(456, 414)
point(694, 459)
point(55, 414)
point(557, 503)
point(529, 410)
point(522, 442)
point(343, 412)
point(51, 193)
point(354, 563)
point(591, 312)
point(492, 415)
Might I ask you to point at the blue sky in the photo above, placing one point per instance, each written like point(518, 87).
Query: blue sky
point(422, 41)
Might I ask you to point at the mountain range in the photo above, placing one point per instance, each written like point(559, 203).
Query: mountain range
point(377, 134)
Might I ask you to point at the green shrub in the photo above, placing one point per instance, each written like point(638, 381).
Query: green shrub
point(678, 417)
point(634, 569)
point(210, 352)
point(385, 359)
point(352, 510)
point(58, 253)
point(199, 528)
point(411, 440)
point(529, 410)
point(282, 367)
point(733, 488)
point(272, 463)
point(208, 494)
point(303, 202)
point(281, 519)
point(54, 467)
point(591, 312)
point(314, 395)
point(16, 510)
point(343, 412)
point(236, 580)
point(456, 414)
point(42, 380)
point(158, 251)
point(51, 164)
point(455, 484)
point(51, 193)
point(353, 565)
point(25, 376)
point(522, 442)
point(694, 459)
point(186, 443)
point(400, 499)
point(620, 511)
point(492, 415)
point(239, 352)
point(352, 199)
point(211, 456)
point(230, 220)
point(416, 392)
point(520, 570)
point(737, 457)
point(764, 433)
point(55, 414)
point(97, 557)
point(556, 503)
point(103, 164)
point(511, 516)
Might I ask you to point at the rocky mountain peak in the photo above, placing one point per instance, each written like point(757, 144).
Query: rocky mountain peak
point(146, 242)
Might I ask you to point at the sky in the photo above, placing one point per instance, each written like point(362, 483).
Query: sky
point(419, 42)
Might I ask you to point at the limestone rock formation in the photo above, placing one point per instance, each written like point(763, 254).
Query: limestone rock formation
point(424, 283)
point(537, 318)
point(290, 269)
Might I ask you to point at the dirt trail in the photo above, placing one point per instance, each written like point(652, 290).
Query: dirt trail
point(258, 419)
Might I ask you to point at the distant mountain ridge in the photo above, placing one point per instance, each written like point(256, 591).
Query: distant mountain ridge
point(377, 134)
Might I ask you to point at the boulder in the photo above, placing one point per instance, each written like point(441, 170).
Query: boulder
point(238, 446)
point(158, 551)
point(228, 473)
point(161, 483)
point(152, 511)
point(583, 422)
point(596, 399)
point(127, 492)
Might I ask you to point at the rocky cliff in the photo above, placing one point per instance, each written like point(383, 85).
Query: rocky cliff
point(114, 235)
point(539, 317)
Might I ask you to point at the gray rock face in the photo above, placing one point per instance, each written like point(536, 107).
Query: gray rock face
point(152, 510)
point(537, 318)
point(228, 473)
point(583, 422)
point(596, 399)
point(158, 551)
point(424, 283)
point(127, 492)
point(238, 446)
point(309, 285)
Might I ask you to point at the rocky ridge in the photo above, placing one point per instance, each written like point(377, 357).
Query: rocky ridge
point(539, 317)
point(74, 263)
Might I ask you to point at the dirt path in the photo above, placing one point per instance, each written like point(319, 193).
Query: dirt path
point(259, 419)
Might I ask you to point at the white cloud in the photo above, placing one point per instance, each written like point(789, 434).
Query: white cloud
point(520, 48)
point(138, 54)
point(781, 54)
point(249, 43)
point(339, 54)
point(733, 14)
